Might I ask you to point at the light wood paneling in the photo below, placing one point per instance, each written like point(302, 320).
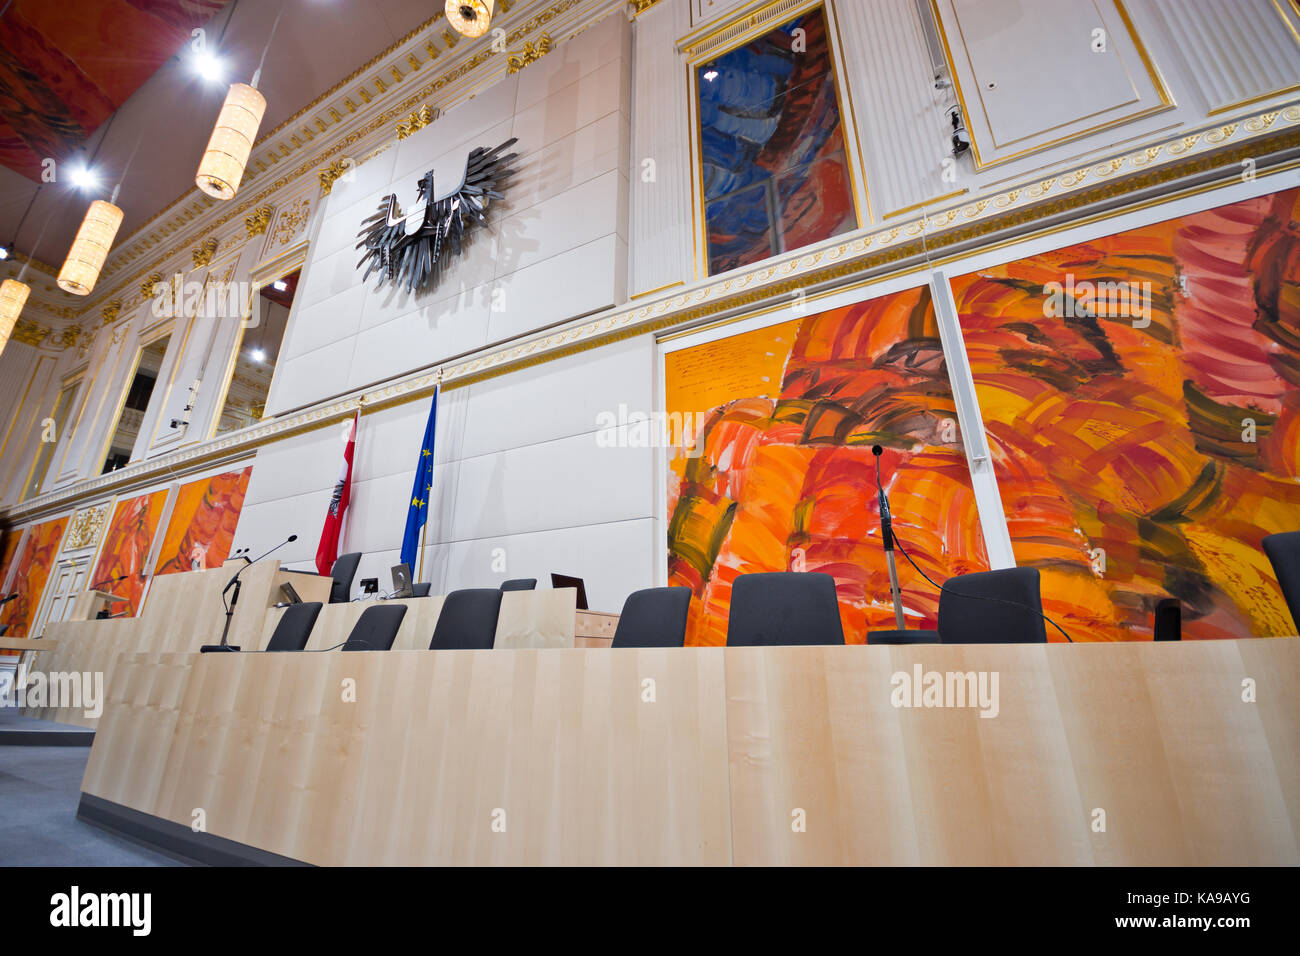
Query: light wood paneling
point(588, 771)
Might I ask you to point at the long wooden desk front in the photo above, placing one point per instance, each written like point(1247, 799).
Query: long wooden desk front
point(1146, 754)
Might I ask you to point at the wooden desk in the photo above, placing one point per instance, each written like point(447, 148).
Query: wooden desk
point(587, 771)
point(26, 644)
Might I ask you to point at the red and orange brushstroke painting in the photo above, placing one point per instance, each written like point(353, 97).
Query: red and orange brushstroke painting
point(1139, 463)
point(786, 478)
point(33, 570)
point(203, 520)
point(126, 549)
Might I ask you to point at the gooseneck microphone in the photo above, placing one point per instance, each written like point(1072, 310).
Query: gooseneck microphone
point(11, 597)
point(234, 599)
point(887, 536)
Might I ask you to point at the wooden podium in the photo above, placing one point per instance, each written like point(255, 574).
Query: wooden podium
point(88, 604)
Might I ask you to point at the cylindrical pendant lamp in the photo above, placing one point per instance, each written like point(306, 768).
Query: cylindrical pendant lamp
point(13, 295)
point(89, 250)
point(470, 17)
point(227, 154)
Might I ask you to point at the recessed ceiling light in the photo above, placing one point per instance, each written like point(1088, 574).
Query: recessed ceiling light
point(4, 252)
point(279, 285)
point(208, 66)
point(257, 355)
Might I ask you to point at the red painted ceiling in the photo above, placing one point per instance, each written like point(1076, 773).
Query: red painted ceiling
point(66, 65)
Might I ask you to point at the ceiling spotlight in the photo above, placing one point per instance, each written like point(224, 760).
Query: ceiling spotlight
point(257, 355)
point(4, 252)
point(83, 177)
point(279, 285)
point(208, 66)
point(711, 75)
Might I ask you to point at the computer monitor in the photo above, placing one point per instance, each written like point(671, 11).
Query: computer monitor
point(566, 581)
point(402, 581)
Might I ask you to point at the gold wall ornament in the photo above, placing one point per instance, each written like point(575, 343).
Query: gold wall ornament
point(292, 220)
point(89, 250)
point(69, 336)
point(449, 38)
point(222, 166)
point(531, 53)
point(335, 171)
point(469, 17)
point(202, 254)
point(29, 332)
point(111, 311)
point(148, 288)
point(417, 121)
point(641, 6)
point(13, 296)
point(85, 527)
point(256, 223)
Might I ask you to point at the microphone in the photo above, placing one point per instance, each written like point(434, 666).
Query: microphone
point(109, 581)
point(9, 598)
point(887, 537)
point(234, 598)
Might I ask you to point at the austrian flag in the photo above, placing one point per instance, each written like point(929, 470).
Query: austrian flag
point(328, 550)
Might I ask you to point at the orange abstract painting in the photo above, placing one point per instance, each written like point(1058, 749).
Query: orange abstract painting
point(202, 525)
point(785, 478)
point(33, 570)
point(1141, 395)
point(121, 565)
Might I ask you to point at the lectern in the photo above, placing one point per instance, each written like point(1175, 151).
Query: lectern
point(89, 603)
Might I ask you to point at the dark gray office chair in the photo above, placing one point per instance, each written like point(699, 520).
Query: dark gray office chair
point(467, 621)
point(784, 607)
point(420, 590)
point(519, 584)
point(376, 629)
point(343, 571)
point(295, 626)
point(655, 617)
point(987, 607)
point(1283, 552)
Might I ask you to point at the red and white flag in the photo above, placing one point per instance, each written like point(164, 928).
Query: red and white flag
point(328, 550)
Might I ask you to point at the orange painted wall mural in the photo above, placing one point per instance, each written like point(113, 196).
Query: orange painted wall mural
point(202, 525)
point(33, 570)
point(785, 478)
point(127, 541)
point(1146, 432)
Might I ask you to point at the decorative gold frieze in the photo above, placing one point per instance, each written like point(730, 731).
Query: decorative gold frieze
point(85, 527)
point(147, 286)
point(531, 53)
point(111, 311)
point(29, 332)
point(641, 6)
point(256, 223)
point(291, 221)
point(416, 121)
point(329, 176)
point(203, 253)
point(449, 38)
point(68, 337)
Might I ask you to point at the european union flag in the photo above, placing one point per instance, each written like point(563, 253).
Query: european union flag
point(418, 511)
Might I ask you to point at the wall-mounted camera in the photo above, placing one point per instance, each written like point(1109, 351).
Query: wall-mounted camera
point(960, 138)
point(177, 423)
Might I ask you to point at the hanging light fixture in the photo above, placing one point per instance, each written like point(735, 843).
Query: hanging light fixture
point(89, 250)
point(469, 17)
point(13, 295)
point(226, 157)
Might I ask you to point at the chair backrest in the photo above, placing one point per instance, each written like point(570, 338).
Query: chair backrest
point(992, 607)
point(467, 621)
point(1283, 551)
point(343, 571)
point(784, 607)
point(655, 617)
point(295, 626)
point(519, 584)
point(420, 590)
point(376, 628)
point(1167, 621)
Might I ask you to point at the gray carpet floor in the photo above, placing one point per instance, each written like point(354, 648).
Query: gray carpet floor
point(39, 790)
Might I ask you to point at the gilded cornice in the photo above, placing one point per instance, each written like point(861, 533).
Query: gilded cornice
point(417, 121)
point(256, 224)
point(1016, 214)
point(531, 53)
point(202, 254)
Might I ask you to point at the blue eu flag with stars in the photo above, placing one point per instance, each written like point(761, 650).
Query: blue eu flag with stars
point(417, 512)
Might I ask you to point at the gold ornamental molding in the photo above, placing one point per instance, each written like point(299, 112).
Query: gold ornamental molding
point(203, 253)
point(641, 6)
point(111, 311)
point(149, 285)
point(291, 221)
point(531, 53)
point(256, 223)
point(333, 173)
point(416, 121)
point(85, 527)
point(29, 332)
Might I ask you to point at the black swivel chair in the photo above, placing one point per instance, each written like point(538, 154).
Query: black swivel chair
point(519, 584)
point(420, 590)
point(295, 626)
point(343, 571)
point(1283, 551)
point(655, 617)
point(987, 607)
point(376, 629)
point(467, 621)
point(784, 607)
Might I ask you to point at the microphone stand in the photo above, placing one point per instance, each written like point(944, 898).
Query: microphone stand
point(235, 583)
point(887, 535)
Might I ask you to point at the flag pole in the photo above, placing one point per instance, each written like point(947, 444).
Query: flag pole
point(424, 528)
